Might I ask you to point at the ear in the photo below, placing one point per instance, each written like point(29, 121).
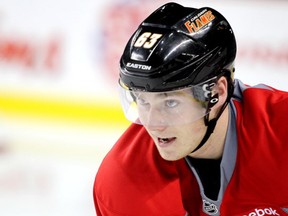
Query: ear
point(222, 89)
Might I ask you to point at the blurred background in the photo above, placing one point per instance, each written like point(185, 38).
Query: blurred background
point(59, 107)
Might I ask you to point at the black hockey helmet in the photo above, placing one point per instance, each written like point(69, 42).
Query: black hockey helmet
point(177, 47)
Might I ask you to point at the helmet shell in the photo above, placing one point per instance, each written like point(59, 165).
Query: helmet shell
point(176, 47)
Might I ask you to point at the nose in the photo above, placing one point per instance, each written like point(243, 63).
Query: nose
point(155, 120)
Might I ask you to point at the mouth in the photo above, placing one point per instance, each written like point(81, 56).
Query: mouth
point(166, 141)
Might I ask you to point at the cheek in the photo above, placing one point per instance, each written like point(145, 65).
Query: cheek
point(195, 127)
point(193, 132)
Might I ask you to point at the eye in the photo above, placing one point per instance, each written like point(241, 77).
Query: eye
point(142, 102)
point(171, 103)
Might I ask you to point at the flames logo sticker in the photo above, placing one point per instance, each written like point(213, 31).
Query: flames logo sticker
point(198, 22)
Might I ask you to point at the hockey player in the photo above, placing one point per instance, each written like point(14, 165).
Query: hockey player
point(201, 142)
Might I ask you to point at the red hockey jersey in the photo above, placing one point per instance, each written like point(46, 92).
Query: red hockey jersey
point(133, 179)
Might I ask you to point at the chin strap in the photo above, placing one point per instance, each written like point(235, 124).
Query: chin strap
point(209, 131)
point(210, 126)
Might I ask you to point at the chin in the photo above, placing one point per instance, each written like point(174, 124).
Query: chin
point(170, 157)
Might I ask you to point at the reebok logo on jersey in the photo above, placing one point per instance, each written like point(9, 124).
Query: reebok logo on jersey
point(262, 212)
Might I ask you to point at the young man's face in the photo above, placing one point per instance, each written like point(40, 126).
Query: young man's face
point(173, 120)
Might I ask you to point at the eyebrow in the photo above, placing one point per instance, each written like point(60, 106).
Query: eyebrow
point(163, 94)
